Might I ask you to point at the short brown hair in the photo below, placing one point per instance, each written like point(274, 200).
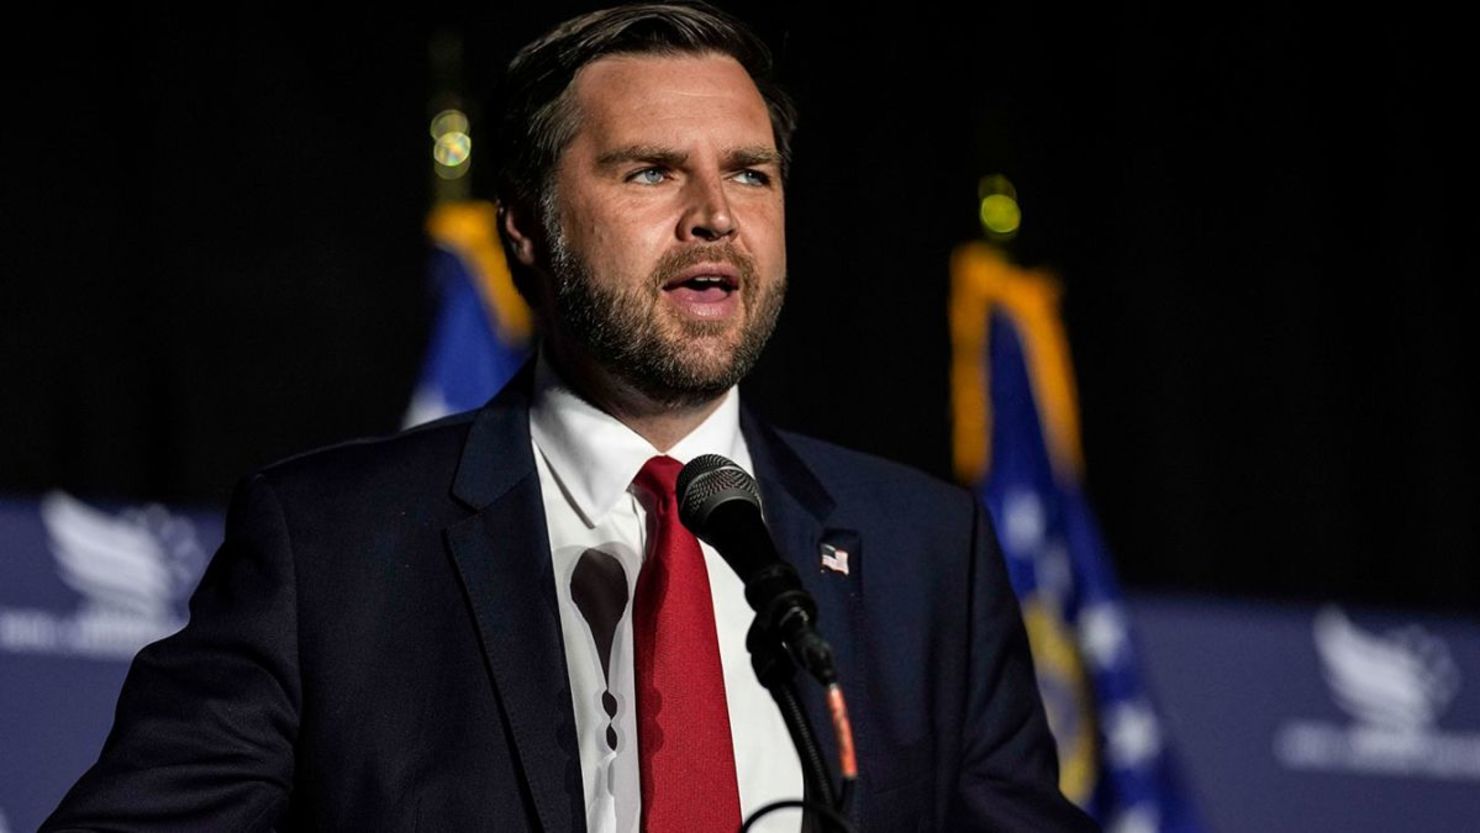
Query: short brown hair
point(539, 118)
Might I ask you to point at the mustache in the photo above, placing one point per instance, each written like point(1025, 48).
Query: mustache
point(672, 263)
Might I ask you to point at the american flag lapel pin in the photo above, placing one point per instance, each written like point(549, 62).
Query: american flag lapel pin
point(834, 558)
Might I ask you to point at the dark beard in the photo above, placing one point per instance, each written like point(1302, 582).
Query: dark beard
point(620, 329)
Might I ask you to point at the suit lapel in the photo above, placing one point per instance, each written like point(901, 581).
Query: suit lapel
point(798, 510)
point(502, 553)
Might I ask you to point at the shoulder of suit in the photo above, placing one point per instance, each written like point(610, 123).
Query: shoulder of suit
point(848, 473)
point(423, 457)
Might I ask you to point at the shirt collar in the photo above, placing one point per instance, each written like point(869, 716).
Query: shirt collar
point(595, 456)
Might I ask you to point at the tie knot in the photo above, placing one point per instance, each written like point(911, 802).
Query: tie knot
point(659, 478)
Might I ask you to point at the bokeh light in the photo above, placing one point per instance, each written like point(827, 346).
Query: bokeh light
point(998, 209)
point(452, 147)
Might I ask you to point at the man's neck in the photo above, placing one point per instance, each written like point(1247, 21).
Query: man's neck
point(661, 423)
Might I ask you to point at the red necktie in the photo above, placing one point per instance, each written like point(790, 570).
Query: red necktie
point(685, 754)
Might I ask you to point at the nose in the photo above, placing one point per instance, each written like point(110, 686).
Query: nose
point(708, 216)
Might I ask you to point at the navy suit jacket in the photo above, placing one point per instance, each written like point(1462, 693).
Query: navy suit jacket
point(376, 646)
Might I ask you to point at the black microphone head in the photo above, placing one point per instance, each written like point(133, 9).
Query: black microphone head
point(708, 481)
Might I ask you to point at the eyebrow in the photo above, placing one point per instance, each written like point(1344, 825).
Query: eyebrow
point(642, 153)
point(751, 157)
point(743, 157)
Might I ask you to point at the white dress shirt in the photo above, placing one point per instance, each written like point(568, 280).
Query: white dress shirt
point(586, 461)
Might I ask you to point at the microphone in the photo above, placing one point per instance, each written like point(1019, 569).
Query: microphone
point(721, 505)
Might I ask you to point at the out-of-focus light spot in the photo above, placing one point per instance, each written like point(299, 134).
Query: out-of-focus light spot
point(1001, 215)
point(452, 149)
point(449, 121)
point(999, 211)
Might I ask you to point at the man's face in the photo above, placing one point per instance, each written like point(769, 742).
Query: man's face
point(666, 226)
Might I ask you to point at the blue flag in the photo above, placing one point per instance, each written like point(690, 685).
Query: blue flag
point(1014, 389)
point(480, 336)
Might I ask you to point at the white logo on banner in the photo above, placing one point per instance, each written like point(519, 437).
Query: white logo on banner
point(1394, 686)
point(130, 568)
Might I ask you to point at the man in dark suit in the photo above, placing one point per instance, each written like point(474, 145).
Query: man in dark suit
point(391, 635)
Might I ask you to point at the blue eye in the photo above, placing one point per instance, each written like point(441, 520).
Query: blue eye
point(648, 176)
point(753, 177)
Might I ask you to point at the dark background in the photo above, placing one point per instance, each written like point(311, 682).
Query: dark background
point(1264, 219)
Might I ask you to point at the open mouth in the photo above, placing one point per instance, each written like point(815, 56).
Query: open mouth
point(702, 286)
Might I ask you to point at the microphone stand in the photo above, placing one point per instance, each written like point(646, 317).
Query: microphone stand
point(774, 668)
point(777, 672)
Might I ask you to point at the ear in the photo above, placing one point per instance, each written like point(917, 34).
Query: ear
point(518, 228)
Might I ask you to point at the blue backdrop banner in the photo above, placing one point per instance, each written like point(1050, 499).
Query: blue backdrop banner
point(82, 589)
point(1288, 718)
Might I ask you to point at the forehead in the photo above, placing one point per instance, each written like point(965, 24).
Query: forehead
point(664, 98)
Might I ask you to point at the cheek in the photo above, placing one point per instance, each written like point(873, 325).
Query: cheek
point(766, 212)
point(620, 251)
point(772, 238)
